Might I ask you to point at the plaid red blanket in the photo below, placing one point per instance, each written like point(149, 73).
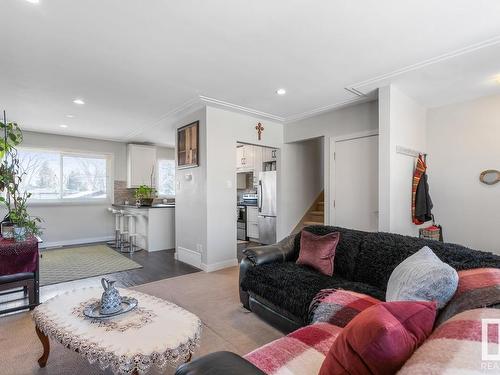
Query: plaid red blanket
point(455, 347)
point(338, 307)
point(301, 352)
point(479, 287)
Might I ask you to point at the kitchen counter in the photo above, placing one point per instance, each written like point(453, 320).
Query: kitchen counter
point(155, 227)
point(128, 206)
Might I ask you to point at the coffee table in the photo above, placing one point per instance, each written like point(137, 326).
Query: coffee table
point(156, 333)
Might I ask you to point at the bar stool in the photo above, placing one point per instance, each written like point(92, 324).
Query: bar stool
point(123, 229)
point(116, 243)
point(131, 233)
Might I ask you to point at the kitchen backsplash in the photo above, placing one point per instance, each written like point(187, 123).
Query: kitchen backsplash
point(122, 194)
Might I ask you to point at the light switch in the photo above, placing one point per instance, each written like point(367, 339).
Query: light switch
point(229, 184)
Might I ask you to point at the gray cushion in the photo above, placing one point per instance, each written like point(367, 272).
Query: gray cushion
point(422, 277)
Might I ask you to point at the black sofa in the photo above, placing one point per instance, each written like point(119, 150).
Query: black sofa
point(274, 287)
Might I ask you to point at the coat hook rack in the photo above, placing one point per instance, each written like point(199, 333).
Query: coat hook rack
point(409, 152)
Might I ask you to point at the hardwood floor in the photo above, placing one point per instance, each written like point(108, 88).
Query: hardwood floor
point(157, 265)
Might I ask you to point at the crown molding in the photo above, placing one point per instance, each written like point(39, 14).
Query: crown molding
point(328, 108)
point(239, 108)
point(185, 108)
point(355, 89)
point(446, 56)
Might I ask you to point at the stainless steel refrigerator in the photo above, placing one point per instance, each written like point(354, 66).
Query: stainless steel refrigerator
point(266, 200)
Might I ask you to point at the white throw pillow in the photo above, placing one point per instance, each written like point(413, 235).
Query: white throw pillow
point(422, 277)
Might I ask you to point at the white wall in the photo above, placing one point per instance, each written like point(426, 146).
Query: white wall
point(191, 201)
point(349, 120)
point(165, 153)
point(463, 140)
point(73, 223)
point(66, 223)
point(301, 180)
point(224, 129)
point(402, 123)
point(206, 213)
point(355, 119)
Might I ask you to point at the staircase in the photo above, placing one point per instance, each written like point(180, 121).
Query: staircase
point(315, 215)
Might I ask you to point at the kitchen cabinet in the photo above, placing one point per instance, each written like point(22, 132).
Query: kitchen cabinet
point(239, 156)
point(257, 164)
point(252, 223)
point(244, 157)
point(141, 159)
point(269, 154)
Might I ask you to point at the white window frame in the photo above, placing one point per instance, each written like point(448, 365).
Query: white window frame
point(76, 201)
point(158, 178)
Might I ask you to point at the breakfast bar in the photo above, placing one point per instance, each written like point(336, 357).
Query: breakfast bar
point(154, 225)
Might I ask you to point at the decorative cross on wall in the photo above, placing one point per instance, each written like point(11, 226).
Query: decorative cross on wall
point(259, 129)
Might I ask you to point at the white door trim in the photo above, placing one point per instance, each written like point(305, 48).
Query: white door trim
point(331, 183)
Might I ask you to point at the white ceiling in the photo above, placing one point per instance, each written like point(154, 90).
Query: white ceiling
point(136, 63)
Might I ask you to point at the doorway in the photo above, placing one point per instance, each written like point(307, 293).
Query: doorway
point(256, 195)
point(354, 182)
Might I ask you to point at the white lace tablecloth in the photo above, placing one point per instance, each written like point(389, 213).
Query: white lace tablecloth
point(157, 332)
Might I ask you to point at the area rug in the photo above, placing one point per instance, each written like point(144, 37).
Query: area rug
point(211, 296)
point(60, 265)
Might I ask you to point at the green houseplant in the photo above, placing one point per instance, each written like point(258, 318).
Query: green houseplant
point(11, 176)
point(145, 195)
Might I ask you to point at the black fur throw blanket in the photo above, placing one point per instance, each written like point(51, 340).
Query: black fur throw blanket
point(363, 263)
point(371, 257)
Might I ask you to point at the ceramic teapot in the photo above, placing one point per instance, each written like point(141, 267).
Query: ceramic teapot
point(111, 302)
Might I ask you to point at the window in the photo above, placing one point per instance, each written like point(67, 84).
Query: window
point(166, 178)
point(54, 175)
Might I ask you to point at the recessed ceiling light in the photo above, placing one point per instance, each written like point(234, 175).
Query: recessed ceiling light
point(78, 101)
point(281, 91)
point(70, 116)
point(497, 78)
point(33, 1)
point(63, 126)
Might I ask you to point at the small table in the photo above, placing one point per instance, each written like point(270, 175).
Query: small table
point(19, 267)
point(156, 333)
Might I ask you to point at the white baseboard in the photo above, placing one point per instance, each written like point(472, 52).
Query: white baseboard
point(220, 265)
point(79, 241)
point(188, 256)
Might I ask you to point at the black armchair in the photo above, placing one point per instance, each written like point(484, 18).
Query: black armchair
point(219, 363)
point(280, 252)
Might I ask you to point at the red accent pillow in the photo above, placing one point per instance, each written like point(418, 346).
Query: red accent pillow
point(318, 251)
point(380, 339)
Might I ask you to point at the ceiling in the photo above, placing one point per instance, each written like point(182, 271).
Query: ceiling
point(136, 64)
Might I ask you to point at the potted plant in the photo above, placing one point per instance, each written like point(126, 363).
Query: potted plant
point(145, 195)
point(11, 176)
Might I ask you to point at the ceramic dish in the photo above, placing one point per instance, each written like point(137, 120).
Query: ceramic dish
point(93, 310)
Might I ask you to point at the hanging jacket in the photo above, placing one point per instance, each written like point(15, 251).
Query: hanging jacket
point(421, 199)
point(423, 205)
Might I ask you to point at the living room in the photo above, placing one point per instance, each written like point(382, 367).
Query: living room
point(120, 126)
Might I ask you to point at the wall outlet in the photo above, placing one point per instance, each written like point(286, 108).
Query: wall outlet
point(199, 248)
